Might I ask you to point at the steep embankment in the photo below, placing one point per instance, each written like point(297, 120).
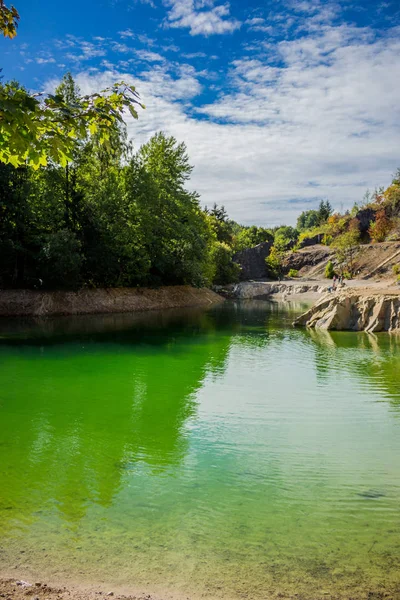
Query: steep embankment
point(373, 260)
point(15, 303)
point(361, 310)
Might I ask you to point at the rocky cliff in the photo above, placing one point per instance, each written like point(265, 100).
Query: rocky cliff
point(252, 261)
point(354, 311)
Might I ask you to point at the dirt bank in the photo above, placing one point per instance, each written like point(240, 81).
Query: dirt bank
point(30, 303)
point(373, 260)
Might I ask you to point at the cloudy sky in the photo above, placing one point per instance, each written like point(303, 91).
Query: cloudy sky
point(280, 102)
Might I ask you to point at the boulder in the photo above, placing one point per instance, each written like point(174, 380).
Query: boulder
point(346, 311)
point(252, 261)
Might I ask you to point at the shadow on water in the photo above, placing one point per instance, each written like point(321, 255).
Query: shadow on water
point(86, 399)
point(89, 399)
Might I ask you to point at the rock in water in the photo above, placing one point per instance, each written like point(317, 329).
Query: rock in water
point(354, 311)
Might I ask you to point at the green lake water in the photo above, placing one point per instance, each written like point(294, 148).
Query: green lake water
point(207, 453)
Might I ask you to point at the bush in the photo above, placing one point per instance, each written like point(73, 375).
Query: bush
point(274, 262)
point(329, 270)
point(226, 271)
point(396, 269)
point(293, 273)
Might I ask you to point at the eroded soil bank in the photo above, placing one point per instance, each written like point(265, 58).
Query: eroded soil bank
point(32, 303)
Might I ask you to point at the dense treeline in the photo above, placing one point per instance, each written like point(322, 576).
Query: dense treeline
point(113, 217)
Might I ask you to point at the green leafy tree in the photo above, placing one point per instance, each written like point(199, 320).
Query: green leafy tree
point(36, 128)
point(221, 224)
point(274, 263)
point(177, 232)
point(248, 237)
point(285, 238)
point(347, 248)
point(226, 271)
point(308, 219)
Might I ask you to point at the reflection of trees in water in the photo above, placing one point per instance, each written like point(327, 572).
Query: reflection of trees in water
point(93, 410)
point(374, 359)
point(85, 400)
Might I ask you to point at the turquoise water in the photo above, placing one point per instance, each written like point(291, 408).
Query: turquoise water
point(212, 453)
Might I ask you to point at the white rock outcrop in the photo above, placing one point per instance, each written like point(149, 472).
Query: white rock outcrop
point(353, 311)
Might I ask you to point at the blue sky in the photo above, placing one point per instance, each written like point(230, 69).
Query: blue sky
point(281, 103)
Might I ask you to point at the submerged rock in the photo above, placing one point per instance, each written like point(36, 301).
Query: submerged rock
point(352, 311)
point(371, 494)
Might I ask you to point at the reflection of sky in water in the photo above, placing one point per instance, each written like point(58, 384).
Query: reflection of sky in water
point(195, 449)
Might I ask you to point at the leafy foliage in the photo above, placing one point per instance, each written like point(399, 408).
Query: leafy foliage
point(248, 237)
point(381, 227)
point(35, 128)
point(285, 238)
point(226, 271)
point(274, 263)
point(347, 248)
point(9, 18)
point(329, 270)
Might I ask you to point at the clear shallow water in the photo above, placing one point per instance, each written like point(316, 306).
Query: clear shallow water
point(216, 453)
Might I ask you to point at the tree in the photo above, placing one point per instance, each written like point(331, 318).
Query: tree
point(380, 228)
point(248, 237)
point(347, 248)
point(177, 233)
point(226, 271)
point(274, 263)
point(35, 128)
point(222, 226)
point(308, 219)
point(285, 238)
point(324, 211)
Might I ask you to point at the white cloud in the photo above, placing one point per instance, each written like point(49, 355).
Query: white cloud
point(313, 117)
point(86, 50)
point(201, 17)
point(148, 56)
point(45, 61)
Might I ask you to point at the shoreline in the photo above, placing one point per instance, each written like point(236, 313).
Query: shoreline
point(20, 588)
point(35, 303)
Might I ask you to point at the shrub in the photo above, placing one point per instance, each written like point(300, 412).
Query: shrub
point(274, 262)
point(381, 227)
point(293, 273)
point(329, 270)
point(396, 269)
point(226, 271)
